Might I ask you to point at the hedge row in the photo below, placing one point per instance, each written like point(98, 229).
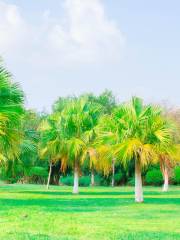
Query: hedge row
point(153, 177)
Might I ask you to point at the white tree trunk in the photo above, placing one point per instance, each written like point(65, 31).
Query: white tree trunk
point(92, 178)
point(113, 171)
point(76, 181)
point(138, 183)
point(166, 179)
point(49, 176)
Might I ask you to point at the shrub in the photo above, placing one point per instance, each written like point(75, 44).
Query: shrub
point(118, 177)
point(154, 177)
point(85, 181)
point(131, 181)
point(67, 180)
point(102, 180)
point(176, 177)
point(38, 172)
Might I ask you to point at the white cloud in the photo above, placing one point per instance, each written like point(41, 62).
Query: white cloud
point(42, 53)
point(87, 34)
point(12, 28)
point(84, 34)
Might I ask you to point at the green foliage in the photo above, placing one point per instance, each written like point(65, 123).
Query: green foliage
point(67, 180)
point(176, 175)
point(154, 177)
point(131, 181)
point(101, 180)
point(38, 172)
point(106, 99)
point(82, 132)
point(118, 177)
point(11, 112)
point(84, 181)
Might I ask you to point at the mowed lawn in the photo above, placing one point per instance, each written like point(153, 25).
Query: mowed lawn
point(30, 212)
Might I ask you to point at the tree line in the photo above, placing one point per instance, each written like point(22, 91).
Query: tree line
point(85, 134)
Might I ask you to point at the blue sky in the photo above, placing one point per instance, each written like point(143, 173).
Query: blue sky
point(61, 47)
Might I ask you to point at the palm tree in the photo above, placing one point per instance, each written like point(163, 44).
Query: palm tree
point(66, 135)
point(108, 135)
point(144, 130)
point(11, 112)
point(133, 132)
point(28, 157)
point(81, 116)
point(51, 140)
point(168, 153)
point(168, 156)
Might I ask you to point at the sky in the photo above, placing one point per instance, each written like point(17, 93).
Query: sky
point(68, 47)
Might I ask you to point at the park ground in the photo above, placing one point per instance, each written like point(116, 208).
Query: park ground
point(30, 212)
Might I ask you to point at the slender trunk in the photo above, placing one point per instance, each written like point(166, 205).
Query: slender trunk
point(166, 179)
point(49, 176)
point(92, 178)
point(138, 183)
point(76, 180)
point(113, 171)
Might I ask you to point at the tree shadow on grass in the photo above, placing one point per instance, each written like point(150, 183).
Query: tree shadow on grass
point(153, 200)
point(100, 193)
point(59, 193)
point(29, 236)
point(67, 205)
point(141, 235)
point(78, 204)
point(146, 235)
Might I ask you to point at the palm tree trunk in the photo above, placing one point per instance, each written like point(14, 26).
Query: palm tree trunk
point(92, 178)
point(166, 179)
point(138, 183)
point(49, 176)
point(76, 180)
point(113, 171)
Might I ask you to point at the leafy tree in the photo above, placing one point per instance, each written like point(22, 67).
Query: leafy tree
point(136, 132)
point(61, 103)
point(80, 118)
point(67, 135)
point(106, 99)
point(51, 140)
point(144, 131)
point(11, 113)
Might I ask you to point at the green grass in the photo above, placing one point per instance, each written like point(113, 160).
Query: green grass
point(30, 212)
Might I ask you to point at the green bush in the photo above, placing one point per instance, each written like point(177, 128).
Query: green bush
point(102, 180)
point(176, 175)
point(118, 177)
point(154, 177)
point(67, 180)
point(85, 181)
point(7, 176)
point(131, 181)
point(38, 172)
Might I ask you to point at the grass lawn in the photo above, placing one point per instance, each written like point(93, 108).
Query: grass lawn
point(30, 212)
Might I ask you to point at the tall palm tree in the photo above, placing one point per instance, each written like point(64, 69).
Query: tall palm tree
point(81, 116)
point(51, 140)
point(168, 157)
point(144, 130)
point(28, 157)
point(134, 132)
point(11, 112)
point(109, 133)
point(67, 134)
